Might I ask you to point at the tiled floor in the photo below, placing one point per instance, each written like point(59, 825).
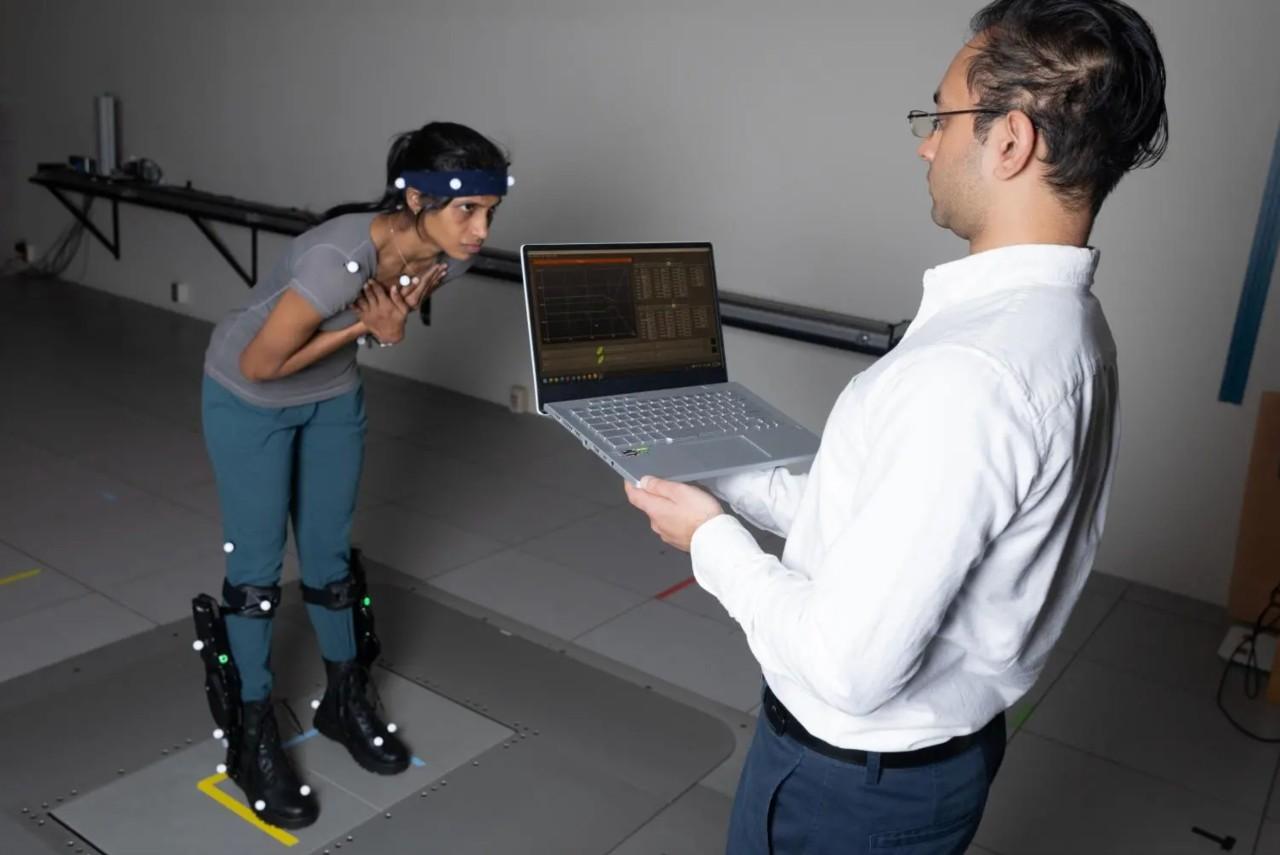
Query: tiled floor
point(109, 524)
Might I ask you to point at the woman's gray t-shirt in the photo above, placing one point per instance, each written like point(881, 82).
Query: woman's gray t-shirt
point(327, 266)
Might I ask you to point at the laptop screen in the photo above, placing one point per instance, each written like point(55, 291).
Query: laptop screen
point(619, 318)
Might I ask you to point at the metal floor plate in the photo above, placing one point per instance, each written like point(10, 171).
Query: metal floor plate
point(523, 749)
point(179, 793)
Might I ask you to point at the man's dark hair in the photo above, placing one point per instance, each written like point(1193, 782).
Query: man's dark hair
point(1089, 75)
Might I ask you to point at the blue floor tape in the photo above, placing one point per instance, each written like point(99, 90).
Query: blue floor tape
point(303, 737)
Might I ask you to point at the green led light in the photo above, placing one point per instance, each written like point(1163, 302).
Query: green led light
point(368, 600)
point(223, 659)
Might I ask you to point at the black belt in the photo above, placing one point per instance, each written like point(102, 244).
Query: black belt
point(783, 722)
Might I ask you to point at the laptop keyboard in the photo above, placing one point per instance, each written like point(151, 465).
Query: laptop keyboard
point(625, 422)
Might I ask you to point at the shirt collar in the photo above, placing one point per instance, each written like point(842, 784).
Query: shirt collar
point(1025, 265)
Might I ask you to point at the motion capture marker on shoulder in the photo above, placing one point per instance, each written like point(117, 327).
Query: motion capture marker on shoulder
point(353, 267)
point(222, 768)
point(315, 704)
point(197, 645)
point(455, 183)
point(377, 741)
point(400, 185)
point(218, 734)
point(259, 805)
point(405, 280)
point(304, 790)
point(511, 181)
point(228, 547)
point(391, 728)
point(265, 605)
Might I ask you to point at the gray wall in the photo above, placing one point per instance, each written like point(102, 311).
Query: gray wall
point(777, 134)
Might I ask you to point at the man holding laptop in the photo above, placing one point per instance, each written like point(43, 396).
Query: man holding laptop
point(952, 514)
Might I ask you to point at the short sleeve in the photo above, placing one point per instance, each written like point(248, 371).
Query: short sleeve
point(456, 268)
point(323, 276)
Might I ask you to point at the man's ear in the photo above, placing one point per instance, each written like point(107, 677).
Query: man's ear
point(1012, 138)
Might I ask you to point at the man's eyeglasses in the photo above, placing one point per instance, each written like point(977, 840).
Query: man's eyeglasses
point(925, 125)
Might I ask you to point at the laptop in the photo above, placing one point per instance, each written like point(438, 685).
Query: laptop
point(628, 356)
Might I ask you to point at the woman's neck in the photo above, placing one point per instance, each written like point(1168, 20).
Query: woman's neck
point(399, 244)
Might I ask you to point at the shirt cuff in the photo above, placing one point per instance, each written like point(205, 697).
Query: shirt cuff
point(724, 558)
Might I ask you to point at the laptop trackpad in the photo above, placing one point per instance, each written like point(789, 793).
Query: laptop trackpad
point(723, 453)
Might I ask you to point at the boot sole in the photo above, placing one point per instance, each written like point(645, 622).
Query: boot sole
point(281, 822)
point(363, 763)
point(275, 819)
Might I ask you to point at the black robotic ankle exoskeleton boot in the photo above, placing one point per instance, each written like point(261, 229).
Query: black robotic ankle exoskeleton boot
point(265, 773)
point(347, 716)
point(255, 759)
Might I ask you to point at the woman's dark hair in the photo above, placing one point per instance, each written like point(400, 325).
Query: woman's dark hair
point(435, 147)
point(1089, 75)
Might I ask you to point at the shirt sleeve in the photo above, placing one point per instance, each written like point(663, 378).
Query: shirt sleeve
point(321, 276)
point(768, 498)
point(952, 452)
point(456, 268)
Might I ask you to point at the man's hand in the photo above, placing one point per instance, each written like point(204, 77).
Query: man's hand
point(675, 510)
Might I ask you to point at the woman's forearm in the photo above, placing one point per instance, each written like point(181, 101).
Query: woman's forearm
point(321, 345)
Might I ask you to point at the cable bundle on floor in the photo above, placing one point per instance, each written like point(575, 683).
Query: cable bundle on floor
point(1267, 621)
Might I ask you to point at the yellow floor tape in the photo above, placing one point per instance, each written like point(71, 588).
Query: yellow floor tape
point(209, 786)
point(18, 577)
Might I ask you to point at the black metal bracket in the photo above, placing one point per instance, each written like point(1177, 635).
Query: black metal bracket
point(801, 323)
point(82, 214)
point(250, 278)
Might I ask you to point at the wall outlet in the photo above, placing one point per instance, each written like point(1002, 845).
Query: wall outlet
point(519, 400)
point(180, 292)
point(1264, 647)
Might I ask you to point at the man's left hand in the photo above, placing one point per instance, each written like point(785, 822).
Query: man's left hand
point(675, 510)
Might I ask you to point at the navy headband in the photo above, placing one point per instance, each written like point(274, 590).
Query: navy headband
point(475, 182)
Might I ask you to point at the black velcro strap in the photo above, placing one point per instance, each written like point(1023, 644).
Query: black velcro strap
point(335, 595)
point(249, 600)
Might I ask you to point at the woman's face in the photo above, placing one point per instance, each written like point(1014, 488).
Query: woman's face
point(461, 227)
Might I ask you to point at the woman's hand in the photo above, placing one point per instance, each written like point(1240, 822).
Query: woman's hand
point(383, 311)
point(430, 280)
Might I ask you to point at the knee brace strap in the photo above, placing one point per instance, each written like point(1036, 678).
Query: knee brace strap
point(250, 601)
point(335, 596)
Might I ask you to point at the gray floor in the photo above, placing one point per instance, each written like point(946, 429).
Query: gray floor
point(565, 756)
point(108, 524)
